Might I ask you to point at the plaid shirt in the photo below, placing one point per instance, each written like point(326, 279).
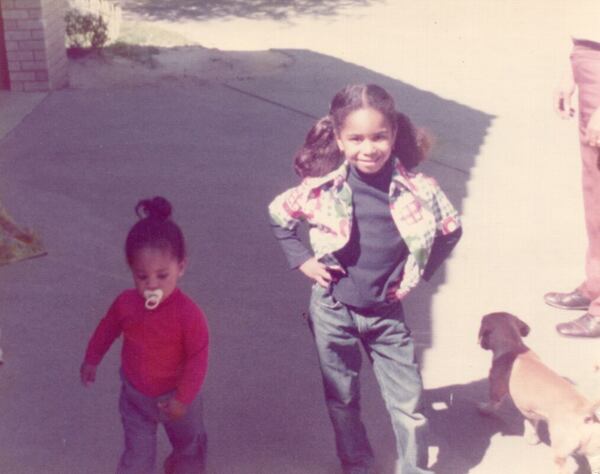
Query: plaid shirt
point(418, 206)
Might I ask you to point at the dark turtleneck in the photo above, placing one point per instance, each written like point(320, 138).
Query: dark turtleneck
point(374, 256)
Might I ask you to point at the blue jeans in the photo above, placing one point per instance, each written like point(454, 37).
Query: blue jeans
point(140, 417)
point(339, 331)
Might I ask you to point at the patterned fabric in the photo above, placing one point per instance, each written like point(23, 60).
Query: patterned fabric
point(418, 206)
point(16, 244)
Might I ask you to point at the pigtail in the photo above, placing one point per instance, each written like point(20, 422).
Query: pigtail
point(320, 154)
point(412, 144)
point(157, 208)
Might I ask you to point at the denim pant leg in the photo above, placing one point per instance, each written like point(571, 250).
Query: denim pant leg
point(188, 439)
point(139, 416)
point(338, 348)
point(390, 346)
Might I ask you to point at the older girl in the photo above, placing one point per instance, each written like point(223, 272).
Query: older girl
point(376, 228)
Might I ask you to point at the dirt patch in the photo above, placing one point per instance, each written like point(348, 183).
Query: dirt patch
point(181, 63)
point(148, 54)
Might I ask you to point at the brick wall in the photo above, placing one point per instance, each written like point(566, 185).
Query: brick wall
point(34, 34)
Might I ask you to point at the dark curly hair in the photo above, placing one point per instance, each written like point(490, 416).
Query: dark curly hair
point(320, 154)
point(154, 229)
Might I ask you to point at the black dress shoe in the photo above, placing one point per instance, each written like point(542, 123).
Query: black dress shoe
point(584, 326)
point(572, 300)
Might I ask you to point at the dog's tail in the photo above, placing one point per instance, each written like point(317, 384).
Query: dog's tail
point(593, 415)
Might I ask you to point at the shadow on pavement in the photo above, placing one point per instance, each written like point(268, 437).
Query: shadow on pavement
point(253, 9)
point(461, 434)
point(75, 168)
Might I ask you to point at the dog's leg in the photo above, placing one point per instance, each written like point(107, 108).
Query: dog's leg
point(565, 441)
point(563, 466)
point(594, 462)
point(531, 431)
point(591, 449)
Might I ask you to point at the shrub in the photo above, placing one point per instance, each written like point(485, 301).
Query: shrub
point(85, 30)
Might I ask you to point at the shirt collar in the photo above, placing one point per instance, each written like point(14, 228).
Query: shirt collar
point(400, 175)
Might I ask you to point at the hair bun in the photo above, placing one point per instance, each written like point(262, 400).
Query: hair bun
point(156, 208)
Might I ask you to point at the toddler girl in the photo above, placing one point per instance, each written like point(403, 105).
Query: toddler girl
point(376, 229)
point(165, 349)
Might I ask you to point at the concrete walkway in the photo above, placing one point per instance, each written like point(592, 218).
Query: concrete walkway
point(15, 106)
point(74, 164)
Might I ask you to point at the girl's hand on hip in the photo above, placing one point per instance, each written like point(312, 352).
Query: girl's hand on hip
point(87, 373)
point(319, 272)
point(592, 132)
point(394, 293)
point(172, 408)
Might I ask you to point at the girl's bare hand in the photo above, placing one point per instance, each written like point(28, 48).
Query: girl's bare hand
point(87, 373)
point(320, 272)
point(394, 293)
point(173, 408)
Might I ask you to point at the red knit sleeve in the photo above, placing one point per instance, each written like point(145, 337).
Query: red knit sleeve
point(105, 334)
point(196, 339)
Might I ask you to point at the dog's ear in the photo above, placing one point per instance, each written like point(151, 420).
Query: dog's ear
point(523, 328)
point(484, 337)
point(486, 330)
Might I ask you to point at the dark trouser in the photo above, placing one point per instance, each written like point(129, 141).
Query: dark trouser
point(586, 71)
point(140, 417)
point(339, 331)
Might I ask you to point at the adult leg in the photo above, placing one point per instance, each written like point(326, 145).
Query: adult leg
point(591, 203)
point(188, 439)
point(338, 348)
point(391, 349)
point(139, 418)
point(586, 71)
point(588, 325)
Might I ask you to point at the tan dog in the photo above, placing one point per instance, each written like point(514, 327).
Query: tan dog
point(539, 393)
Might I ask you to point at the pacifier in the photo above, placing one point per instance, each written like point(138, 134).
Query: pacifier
point(153, 298)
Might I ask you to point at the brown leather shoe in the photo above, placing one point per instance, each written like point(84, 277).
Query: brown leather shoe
point(584, 326)
point(571, 300)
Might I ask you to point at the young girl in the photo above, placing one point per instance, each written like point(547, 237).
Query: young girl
point(375, 229)
point(165, 349)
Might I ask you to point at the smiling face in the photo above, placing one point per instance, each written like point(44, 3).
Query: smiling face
point(156, 268)
point(366, 139)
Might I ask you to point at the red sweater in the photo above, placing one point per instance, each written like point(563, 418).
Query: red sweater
point(163, 349)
